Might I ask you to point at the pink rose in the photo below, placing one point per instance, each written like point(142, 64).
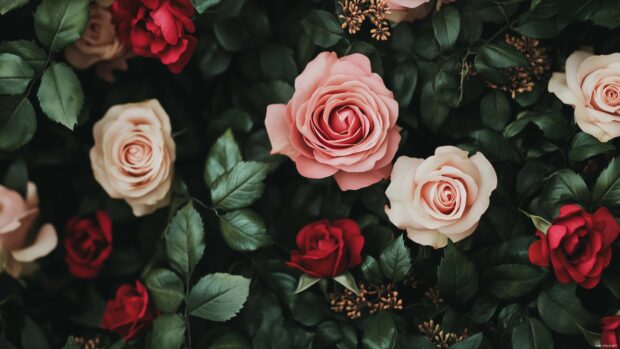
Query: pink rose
point(133, 155)
point(408, 10)
point(591, 85)
point(340, 122)
point(20, 244)
point(98, 44)
point(441, 197)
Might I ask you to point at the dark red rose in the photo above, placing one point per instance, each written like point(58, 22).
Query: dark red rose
point(157, 28)
point(578, 245)
point(88, 244)
point(610, 338)
point(328, 249)
point(130, 313)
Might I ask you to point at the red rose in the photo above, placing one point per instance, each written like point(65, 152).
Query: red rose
point(578, 244)
point(327, 249)
point(130, 313)
point(610, 338)
point(88, 244)
point(157, 28)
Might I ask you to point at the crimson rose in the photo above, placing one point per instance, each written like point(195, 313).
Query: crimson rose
point(578, 244)
point(130, 313)
point(157, 28)
point(610, 338)
point(88, 244)
point(328, 249)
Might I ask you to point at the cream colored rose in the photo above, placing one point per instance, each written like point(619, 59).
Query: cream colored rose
point(98, 43)
point(591, 85)
point(441, 197)
point(134, 154)
point(20, 244)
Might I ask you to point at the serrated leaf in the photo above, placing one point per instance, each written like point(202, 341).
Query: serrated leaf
point(168, 332)
point(305, 282)
point(606, 190)
point(323, 28)
point(60, 94)
point(58, 23)
point(166, 288)
point(223, 156)
point(239, 187)
point(446, 25)
point(457, 277)
point(583, 146)
point(185, 242)
point(218, 297)
point(511, 281)
point(15, 74)
point(562, 311)
point(18, 122)
point(564, 186)
point(27, 50)
point(244, 230)
point(348, 281)
point(9, 5)
point(371, 269)
point(395, 260)
point(380, 332)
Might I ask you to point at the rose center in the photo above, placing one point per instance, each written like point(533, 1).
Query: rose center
point(136, 153)
point(612, 94)
point(342, 120)
point(445, 197)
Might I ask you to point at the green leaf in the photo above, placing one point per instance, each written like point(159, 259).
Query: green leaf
point(395, 260)
point(583, 146)
point(230, 340)
point(472, 342)
point(495, 110)
point(239, 187)
point(502, 56)
point(234, 118)
point(69, 344)
point(447, 25)
point(202, 5)
point(323, 28)
point(305, 282)
point(9, 5)
point(218, 297)
point(168, 332)
point(495, 146)
point(457, 277)
point(185, 242)
point(213, 60)
point(16, 177)
point(15, 74)
point(58, 23)
point(433, 112)
point(512, 281)
point(403, 80)
point(531, 334)
point(606, 190)
point(553, 124)
point(562, 311)
point(28, 51)
point(60, 94)
point(244, 230)
point(18, 122)
point(380, 332)
point(534, 4)
point(278, 63)
point(539, 222)
point(33, 336)
point(564, 186)
point(166, 288)
point(348, 281)
point(223, 156)
point(371, 269)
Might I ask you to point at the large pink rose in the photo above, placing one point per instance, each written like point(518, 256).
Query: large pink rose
point(340, 122)
point(591, 85)
point(134, 154)
point(408, 10)
point(20, 243)
point(441, 197)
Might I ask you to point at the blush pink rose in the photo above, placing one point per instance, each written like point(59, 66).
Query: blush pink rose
point(591, 85)
point(340, 122)
point(134, 154)
point(441, 197)
point(408, 10)
point(20, 243)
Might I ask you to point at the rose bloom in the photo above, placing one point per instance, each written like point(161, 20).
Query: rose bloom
point(441, 197)
point(157, 28)
point(88, 244)
point(130, 313)
point(340, 122)
point(327, 249)
point(134, 154)
point(578, 245)
point(610, 337)
point(98, 45)
point(20, 242)
point(408, 10)
point(591, 85)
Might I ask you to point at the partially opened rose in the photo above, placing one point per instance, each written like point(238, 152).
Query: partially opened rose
point(134, 154)
point(441, 197)
point(20, 241)
point(340, 122)
point(88, 245)
point(591, 85)
point(130, 313)
point(408, 10)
